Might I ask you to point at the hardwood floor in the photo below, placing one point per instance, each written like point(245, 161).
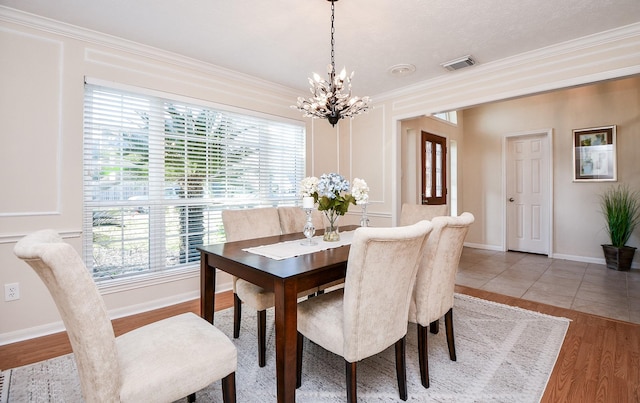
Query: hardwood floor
point(599, 360)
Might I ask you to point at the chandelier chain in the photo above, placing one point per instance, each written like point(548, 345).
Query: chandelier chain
point(333, 30)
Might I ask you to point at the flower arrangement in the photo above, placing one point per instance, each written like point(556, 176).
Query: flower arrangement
point(330, 192)
point(360, 191)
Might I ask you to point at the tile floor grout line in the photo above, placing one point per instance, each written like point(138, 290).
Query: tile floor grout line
point(595, 277)
point(575, 295)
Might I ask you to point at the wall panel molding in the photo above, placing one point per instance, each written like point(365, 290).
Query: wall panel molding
point(224, 86)
point(35, 80)
point(363, 155)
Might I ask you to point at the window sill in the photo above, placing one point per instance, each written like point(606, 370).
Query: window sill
point(111, 286)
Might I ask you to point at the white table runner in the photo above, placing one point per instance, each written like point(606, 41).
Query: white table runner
point(284, 250)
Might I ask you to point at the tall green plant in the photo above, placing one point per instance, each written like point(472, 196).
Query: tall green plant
point(621, 209)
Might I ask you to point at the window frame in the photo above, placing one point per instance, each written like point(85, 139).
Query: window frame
point(154, 273)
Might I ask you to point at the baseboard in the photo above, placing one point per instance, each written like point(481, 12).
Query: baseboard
point(57, 327)
point(31, 333)
point(484, 246)
point(583, 259)
point(594, 260)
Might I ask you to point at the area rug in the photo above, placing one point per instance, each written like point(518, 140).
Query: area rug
point(504, 354)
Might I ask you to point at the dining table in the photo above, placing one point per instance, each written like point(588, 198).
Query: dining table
point(285, 277)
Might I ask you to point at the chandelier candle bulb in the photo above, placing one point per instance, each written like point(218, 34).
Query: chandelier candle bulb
point(307, 202)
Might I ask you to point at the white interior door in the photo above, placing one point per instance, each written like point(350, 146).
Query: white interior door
point(528, 192)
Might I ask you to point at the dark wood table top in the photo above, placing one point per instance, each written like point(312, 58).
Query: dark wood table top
point(285, 278)
point(303, 265)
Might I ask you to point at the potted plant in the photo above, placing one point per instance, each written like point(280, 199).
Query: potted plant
point(621, 209)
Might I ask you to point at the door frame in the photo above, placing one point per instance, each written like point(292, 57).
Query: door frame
point(445, 168)
point(548, 136)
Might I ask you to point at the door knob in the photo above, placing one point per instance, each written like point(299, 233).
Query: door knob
point(511, 199)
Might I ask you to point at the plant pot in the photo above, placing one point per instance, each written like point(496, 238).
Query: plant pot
point(618, 258)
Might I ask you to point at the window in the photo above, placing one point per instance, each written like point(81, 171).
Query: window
point(451, 117)
point(158, 172)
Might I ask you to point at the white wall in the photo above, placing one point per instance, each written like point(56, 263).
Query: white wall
point(42, 73)
point(578, 225)
point(56, 58)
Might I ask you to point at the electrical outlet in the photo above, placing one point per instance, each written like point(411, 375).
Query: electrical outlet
point(11, 292)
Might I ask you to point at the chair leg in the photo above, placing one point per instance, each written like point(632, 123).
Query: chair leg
point(262, 337)
point(423, 356)
point(229, 388)
point(401, 367)
point(352, 394)
point(191, 398)
point(434, 327)
point(448, 324)
point(300, 342)
point(237, 315)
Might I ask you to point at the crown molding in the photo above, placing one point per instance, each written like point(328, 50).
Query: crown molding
point(537, 60)
point(532, 64)
point(33, 21)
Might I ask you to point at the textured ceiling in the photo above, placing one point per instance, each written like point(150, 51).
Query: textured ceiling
point(287, 40)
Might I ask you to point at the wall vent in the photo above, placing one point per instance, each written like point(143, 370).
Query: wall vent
point(459, 63)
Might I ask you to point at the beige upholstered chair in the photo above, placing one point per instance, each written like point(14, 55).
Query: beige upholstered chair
point(244, 224)
point(369, 313)
point(160, 362)
point(435, 283)
point(293, 219)
point(412, 213)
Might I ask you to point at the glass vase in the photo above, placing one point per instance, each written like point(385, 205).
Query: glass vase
point(331, 233)
point(364, 221)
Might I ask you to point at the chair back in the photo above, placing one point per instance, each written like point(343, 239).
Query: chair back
point(436, 278)
point(381, 272)
point(412, 213)
point(293, 219)
point(244, 224)
point(82, 310)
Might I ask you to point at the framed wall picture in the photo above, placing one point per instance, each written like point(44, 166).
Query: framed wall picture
point(594, 154)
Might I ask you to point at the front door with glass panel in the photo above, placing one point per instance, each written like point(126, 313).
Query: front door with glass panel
point(434, 169)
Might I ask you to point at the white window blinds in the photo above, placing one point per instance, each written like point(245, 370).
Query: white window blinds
point(157, 173)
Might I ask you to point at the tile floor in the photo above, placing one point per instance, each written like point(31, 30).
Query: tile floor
point(584, 287)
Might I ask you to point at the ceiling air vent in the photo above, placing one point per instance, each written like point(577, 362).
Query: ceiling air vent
point(459, 63)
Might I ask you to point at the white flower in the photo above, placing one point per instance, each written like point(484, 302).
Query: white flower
point(360, 191)
point(309, 186)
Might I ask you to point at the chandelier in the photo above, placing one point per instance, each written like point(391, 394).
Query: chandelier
point(332, 99)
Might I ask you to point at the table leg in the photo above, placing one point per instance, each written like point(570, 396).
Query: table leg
point(286, 315)
point(207, 288)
